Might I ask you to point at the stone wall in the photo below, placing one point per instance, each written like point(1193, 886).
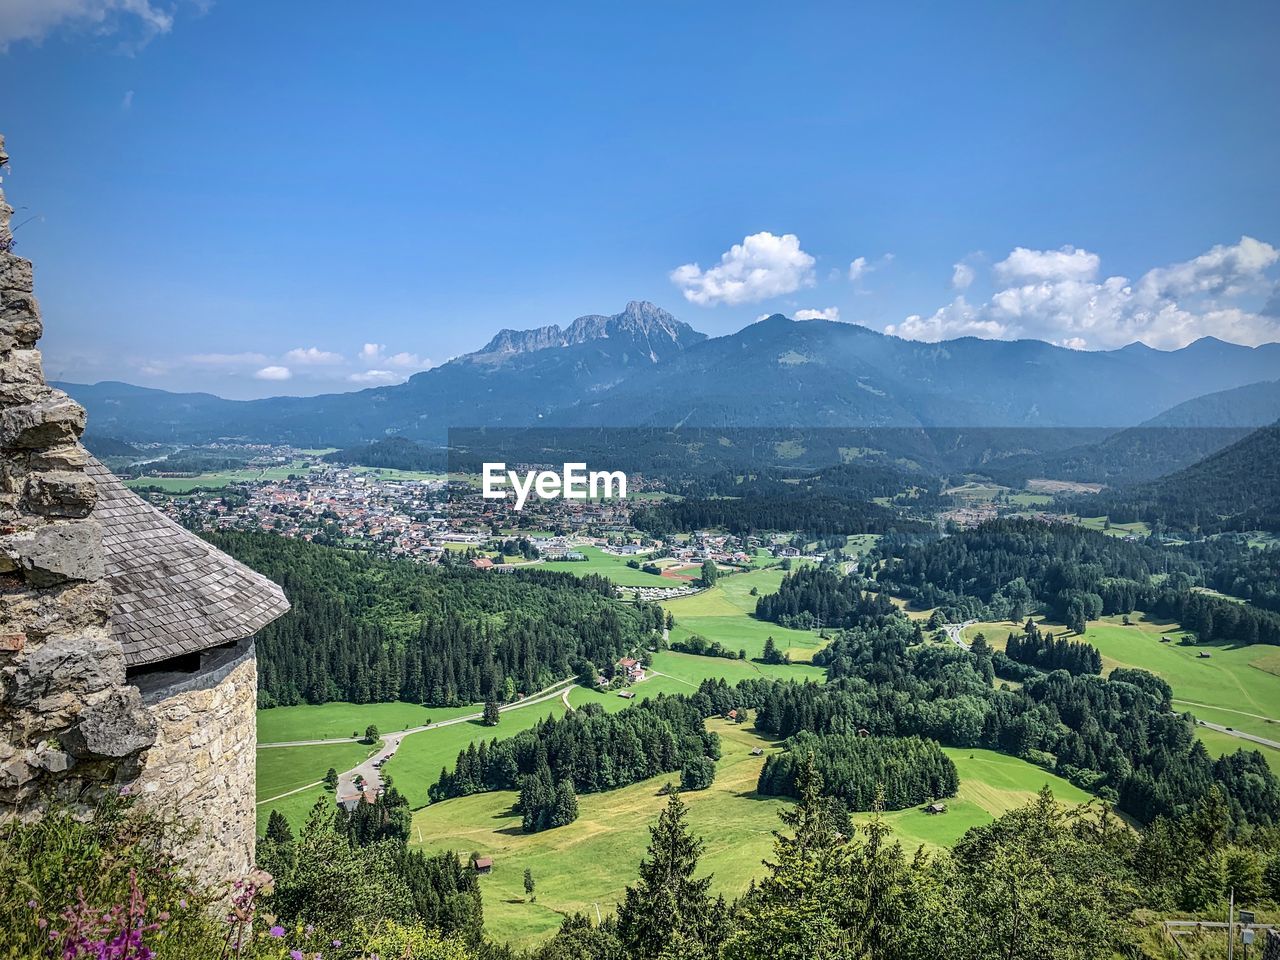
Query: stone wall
point(70, 728)
point(203, 760)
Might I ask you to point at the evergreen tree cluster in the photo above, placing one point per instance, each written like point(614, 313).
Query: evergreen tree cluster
point(589, 749)
point(1007, 569)
point(1043, 650)
point(1114, 736)
point(543, 805)
point(364, 629)
point(890, 773)
point(813, 514)
point(347, 866)
point(814, 595)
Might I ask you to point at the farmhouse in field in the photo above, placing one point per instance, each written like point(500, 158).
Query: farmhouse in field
point(482, 864)
point(633, 669)
point(936, 808)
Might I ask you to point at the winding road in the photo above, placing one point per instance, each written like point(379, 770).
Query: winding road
point(391, 743)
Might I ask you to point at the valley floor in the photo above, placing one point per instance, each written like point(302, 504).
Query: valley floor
point(588, 863)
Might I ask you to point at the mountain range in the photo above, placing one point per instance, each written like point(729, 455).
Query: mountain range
point(643, 367)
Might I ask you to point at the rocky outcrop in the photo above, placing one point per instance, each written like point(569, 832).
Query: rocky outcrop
point(650, 328)
point(72, 728)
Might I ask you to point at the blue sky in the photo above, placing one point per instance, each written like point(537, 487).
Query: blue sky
point(274, 197)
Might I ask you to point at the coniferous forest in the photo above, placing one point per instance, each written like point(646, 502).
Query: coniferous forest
point(588, 750)
point(863, 772)
point(365, 630)
point(817, 597)
point(1008, 569)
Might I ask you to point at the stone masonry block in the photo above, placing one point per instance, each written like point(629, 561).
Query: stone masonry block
point(49, 421)
point(61, 493)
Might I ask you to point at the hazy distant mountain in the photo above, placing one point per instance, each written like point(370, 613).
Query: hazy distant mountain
point(1237, 488)
point(1169, 441)
point(644, 367)
point(1251, 406)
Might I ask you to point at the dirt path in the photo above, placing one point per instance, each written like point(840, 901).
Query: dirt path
point(391, 743)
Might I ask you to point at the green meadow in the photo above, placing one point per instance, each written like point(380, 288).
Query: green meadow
point(219, 479)
point(332, 721)
point(288, 768)
point(1234, 686)
point(588, 863)
point(1138, 529)
point(615, 568)
point(726, 613)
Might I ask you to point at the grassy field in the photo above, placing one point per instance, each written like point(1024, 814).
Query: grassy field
point(287, 768)
point(725, 613)
point(1138, 529)
point(338, 720)
point(590, 861)
point(1236, 685)
point(421, 756)
point(220, 478)
point(615, 568)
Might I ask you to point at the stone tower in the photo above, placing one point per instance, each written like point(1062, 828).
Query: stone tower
point(72, 727)
point(127, 658)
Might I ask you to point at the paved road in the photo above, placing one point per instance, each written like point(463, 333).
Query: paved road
point(955, 632)
point(1275, 744)
point(391, 743)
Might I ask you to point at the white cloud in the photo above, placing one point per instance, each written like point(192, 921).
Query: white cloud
point(33, 20)
point(126, 102)
point(1067, 263)
point(226, 359)
point(830, 313)
point(375, 377)
point(313, 356)
point(1055, 296)
point(858, 268)
point(761, 266)
point(376, 353)
point(961, 276)
point(274, 373)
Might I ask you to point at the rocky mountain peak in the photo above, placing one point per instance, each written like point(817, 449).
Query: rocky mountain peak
point(645, 324)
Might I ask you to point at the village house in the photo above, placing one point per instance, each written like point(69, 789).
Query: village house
point(632, 669)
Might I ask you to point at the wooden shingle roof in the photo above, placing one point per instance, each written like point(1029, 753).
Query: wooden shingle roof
point(174, 593)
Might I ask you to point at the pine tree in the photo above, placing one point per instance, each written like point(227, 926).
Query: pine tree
point(566, 807)
point(528, 885)
point(667, 904)
point(278, 829)
point(802, 909)
point(330, 781)
point(491, 713)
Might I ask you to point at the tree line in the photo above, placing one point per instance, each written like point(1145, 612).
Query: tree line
point(589, 750)
point(863, 772)
point(1008, 569)
point(812, 596)
point(365, 629)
